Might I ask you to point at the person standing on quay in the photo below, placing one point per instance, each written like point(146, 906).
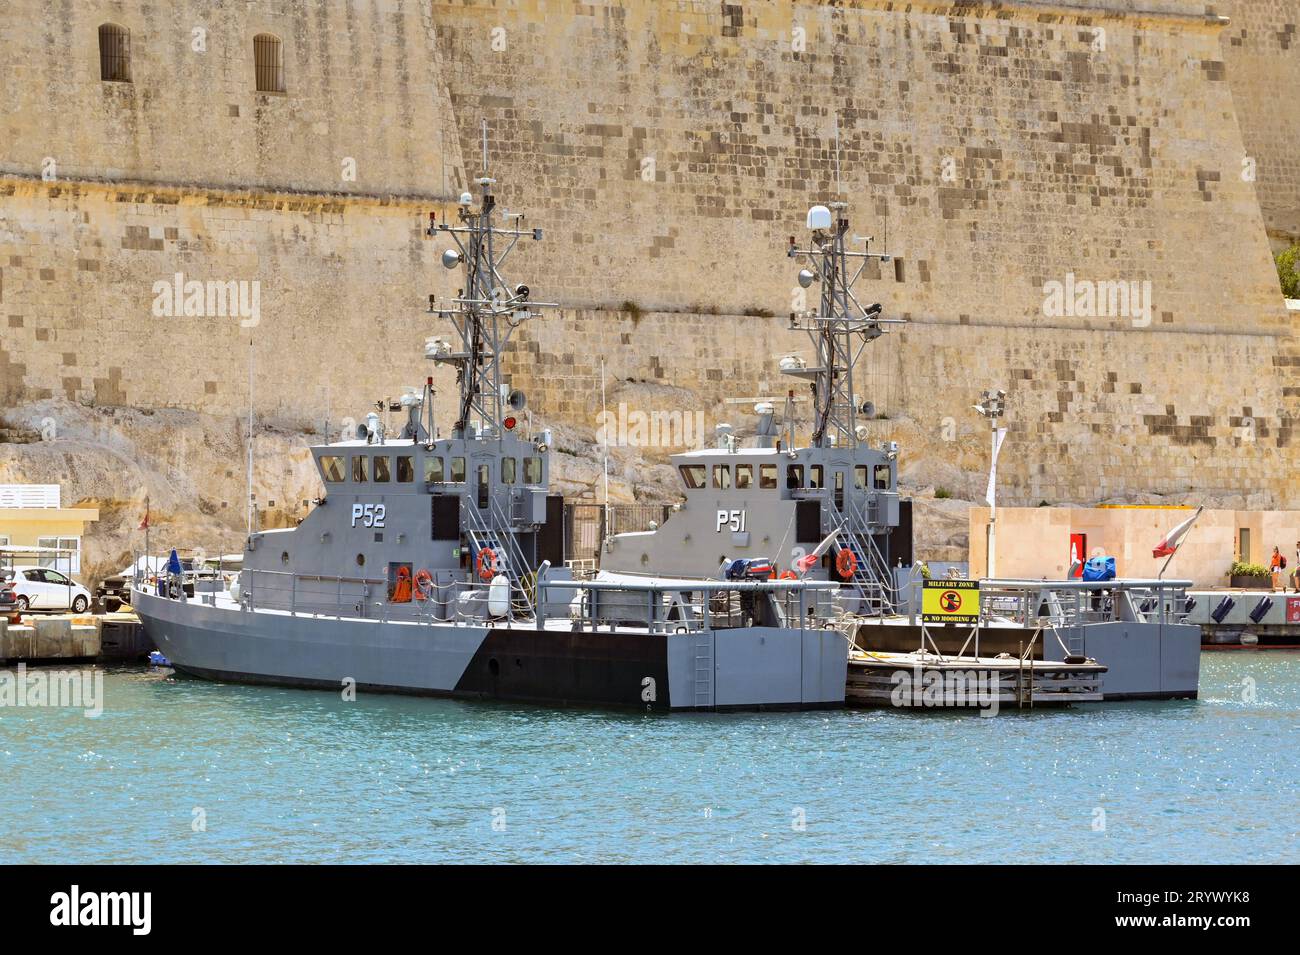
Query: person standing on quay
point(1275, 566)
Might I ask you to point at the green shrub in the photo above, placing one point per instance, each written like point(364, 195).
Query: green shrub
point(1242, 569)
point(942, 493)
point(1288, 270)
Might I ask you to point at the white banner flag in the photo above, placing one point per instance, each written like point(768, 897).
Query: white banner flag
point(993, 468)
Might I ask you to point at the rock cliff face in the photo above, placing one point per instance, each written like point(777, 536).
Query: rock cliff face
point(1001, 150)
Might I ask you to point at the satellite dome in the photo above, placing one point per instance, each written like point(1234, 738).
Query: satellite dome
point(819, 217)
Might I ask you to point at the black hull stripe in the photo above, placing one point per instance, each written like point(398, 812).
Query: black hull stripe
point(299, 683)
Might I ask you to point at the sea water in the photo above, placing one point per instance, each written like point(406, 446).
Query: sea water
point(182, 770)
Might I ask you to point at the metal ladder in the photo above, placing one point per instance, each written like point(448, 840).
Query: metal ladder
point(871, 575)
point(509, 555)
point(704, 669)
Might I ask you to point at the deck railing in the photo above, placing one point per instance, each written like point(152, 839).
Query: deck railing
point(1071, 603)
point(659, 606)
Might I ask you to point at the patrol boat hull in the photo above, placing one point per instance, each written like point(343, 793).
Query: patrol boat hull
point(740, 668)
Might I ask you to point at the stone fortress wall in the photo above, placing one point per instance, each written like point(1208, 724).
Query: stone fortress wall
point(668, 150)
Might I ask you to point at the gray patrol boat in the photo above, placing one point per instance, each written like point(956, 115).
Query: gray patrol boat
point(829, 511)
point(826, 511)
point(433, 564)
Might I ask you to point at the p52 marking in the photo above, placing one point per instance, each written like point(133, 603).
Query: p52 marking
point(370, 515)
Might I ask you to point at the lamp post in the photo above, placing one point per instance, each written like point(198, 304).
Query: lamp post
point(993, 406)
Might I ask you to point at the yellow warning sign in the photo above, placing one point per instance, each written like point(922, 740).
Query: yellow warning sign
point(950, 601)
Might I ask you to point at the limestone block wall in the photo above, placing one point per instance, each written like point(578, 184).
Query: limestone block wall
point(996, 147)
point(1167, 415)
point(340, 287)
point(1261, 48)
point(669, 150)
point(362, 82)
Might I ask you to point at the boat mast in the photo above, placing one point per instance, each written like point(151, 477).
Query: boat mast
point(841, 328)
point(486, 311)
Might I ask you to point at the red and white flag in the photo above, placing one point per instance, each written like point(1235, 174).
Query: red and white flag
point(1174, 539)
point(805, 563)
point(144, 524)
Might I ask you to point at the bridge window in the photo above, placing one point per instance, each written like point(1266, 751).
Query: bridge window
point(692, 476)
point(794, 477)
point(405, 469)
point(817, 477)
point(114, 53)
point(433, 470)
point(722, 476)
point(767, 476)
point(882, 477)
point(331, 466)
point(382, 470)
point(268, 58)
point(860, 476)
point(508, 469)
point(532, 470)
point(744, 476)
point(360, 468)
point(458, 470)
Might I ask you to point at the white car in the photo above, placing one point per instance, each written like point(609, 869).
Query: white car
point(40, 588)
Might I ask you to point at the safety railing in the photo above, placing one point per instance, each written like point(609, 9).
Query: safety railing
point(690, 606)
point(1073, 603)
point(669, 606)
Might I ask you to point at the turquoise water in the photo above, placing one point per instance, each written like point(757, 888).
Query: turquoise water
point(301, 776)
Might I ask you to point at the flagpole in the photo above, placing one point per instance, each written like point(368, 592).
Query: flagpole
point(1179, 545)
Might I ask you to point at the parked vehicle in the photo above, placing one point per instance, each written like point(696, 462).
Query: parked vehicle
point(41, 588)
point(8, 602)
point(113, 592)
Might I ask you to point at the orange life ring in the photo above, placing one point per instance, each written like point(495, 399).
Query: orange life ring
point(789, 575)
point(845, 563)
point(487, 560)
point(423, 584)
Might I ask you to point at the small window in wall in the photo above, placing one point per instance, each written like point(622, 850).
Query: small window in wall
point(458, 470)
point(114, 53)
point(331, 467)
point(817, 477)
point(794, 476)
point(722, 476)
point(359, 468)
point(68, 558)
point(860, 476)
point(744, 476)
point(383, 473)
point(767, 476)
point(433, 470)
point(532, 470)
point(508, 468)
point(692, 476)
point(268, 57)
point(882, 477)
point(405, 469)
